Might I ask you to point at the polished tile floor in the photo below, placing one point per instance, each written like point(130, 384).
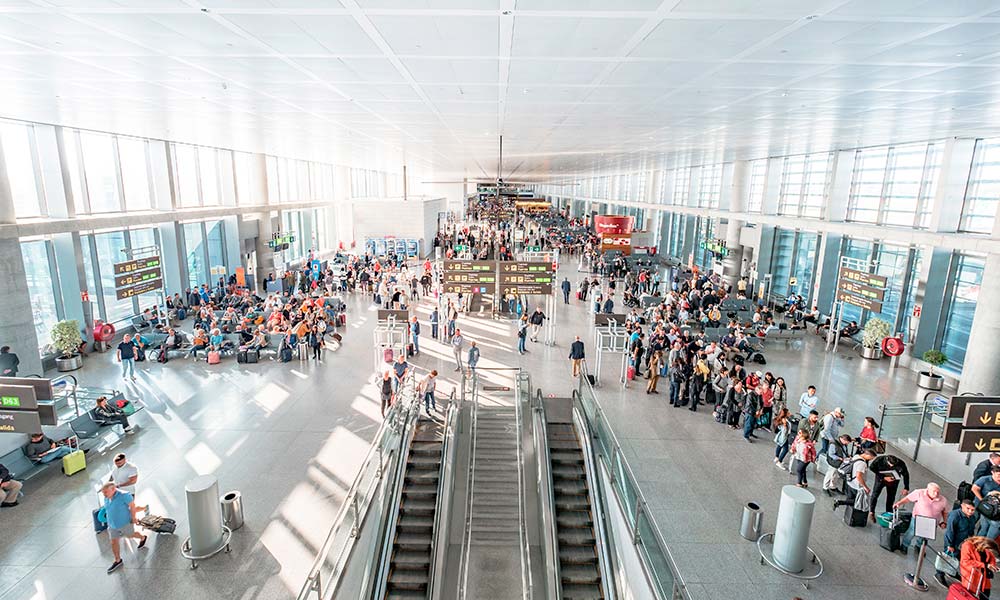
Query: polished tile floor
point(291, 436)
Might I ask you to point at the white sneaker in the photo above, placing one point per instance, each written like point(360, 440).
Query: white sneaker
point(780, 466)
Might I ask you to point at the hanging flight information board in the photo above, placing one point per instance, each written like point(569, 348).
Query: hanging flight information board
point(470, 276)
point(865, 290)
point(526, 278)
point(138, 276)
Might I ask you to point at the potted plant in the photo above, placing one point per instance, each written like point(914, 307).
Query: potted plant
point(929, 380)
point(874, 332)
point(66, 339)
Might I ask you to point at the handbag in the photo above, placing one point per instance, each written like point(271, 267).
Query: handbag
point(862, 501)
point(946, 564)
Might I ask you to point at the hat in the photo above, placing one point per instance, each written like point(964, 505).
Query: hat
point(759, 374)
point(839, 410)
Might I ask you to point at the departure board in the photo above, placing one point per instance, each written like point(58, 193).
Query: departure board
point(865, 290)
point(138, 276)
point(138, 264)
point(526, 277)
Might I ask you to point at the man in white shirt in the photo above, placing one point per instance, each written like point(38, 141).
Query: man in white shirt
point(457, 345)
point(808, 401)
point(124, 474)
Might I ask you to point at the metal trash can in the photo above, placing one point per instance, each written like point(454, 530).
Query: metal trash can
point(232, 510)
point(750, 526)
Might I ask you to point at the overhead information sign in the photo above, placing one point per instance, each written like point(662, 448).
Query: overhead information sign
point(982, 416)
point(717, 247)
point(979, 440)
point(18, 421)
point(138, 276)
point(18, 397)
point(526, 277)
point(470, 277)
point(138, 264)
point(958, 404)
point(865, 290)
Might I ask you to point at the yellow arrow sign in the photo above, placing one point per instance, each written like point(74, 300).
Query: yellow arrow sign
point(980, 444)
point(985, 418)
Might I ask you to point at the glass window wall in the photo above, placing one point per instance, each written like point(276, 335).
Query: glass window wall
point(194, 244)
point(16, 140)
point(966, 281)
point(43, 289)
point(983, 193)
point(682, 186)
point(208, 170)
point(758, 176)
point(710, 186)
point(109, 251)
point(132, 154)
point(101, 172)
point(186, 174)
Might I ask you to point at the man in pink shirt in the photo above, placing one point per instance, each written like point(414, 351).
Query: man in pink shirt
point(927, 502)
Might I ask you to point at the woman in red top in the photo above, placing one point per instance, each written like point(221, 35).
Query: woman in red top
point(977, 557)
point(868, 434)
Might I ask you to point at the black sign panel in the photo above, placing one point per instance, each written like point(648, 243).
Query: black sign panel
point(18, 397)
point(982, 416)
point(603, 319)
point(42, 387)
point(862, 289)
point(979, 440)
point(138, 264)
point(142, 288)
point(19, 421)
point(137, 277)
point(535, 266)
point(952, 432)
point(957, 404)
point(401, 316)
point(470, 277)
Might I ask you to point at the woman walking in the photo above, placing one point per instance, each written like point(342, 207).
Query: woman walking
point(316, 343)
point(654, 372)
point(782, 437)
point(522, 333)
point(804, 452)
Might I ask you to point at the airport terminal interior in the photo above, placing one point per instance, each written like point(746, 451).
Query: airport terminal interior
point(499, 299)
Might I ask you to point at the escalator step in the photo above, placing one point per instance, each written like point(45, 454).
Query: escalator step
point(581, 592)
point(408, 580)
point(411, 559)
point(393, 594)
point(419, 489)
point(580, 555)
point(585, 574)
point(415, 523)
point(574, 537)
point(413, 541)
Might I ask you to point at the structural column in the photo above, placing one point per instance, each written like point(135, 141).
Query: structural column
point(17, 327)
point(734, 190)
point(979, 372)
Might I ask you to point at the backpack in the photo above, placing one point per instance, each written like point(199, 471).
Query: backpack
point(810, 452)
point(847, 466)
point(989, 506)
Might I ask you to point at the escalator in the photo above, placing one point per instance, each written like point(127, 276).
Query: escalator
point(411, 558)
point(578, 559)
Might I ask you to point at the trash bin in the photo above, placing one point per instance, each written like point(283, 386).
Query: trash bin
point(750, 525)
point(232, 510)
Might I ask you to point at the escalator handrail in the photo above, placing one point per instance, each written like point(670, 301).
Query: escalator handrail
point(467, 534)
point(388, 532)
point(442, 507)
point(546, 492)
point(597, 501)
point(313, 581)
point(526, 579)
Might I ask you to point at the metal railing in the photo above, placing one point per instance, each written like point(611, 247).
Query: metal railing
point(473, 398)
point(522, 384)
point(546, 495)
point(656, 559)
point(377, 470)
point(442, 508)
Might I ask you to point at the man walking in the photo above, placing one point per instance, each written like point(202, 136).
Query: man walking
point(808, 401)
point(415, 334)
point(832, 422)
point(566, 287)
point(576, 355)
point(8, 362)
point(435, 317)
point(536, 319)
point(457, 345)
point(473, 359)
point(119, 513)
point(126, 356)
point(427, 387)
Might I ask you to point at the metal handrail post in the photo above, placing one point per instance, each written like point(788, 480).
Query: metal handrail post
point(920, 430)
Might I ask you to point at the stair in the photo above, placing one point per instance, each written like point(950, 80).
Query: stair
point(579, 571)
point(410, 564)
point(496, 496)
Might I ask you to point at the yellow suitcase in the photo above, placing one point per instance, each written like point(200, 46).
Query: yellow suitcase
point(75, 461)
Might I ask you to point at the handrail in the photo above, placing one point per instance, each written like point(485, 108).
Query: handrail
point(597, 500)
point(663, 590)
point(442, 508)
point(467, 534)
point(395, 422)
point(526, 580)
point(546, 493)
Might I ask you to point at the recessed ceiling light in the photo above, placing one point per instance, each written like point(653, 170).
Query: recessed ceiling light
point(525, 90)
point(960, 54)
point(811, 17)
point(783, 94)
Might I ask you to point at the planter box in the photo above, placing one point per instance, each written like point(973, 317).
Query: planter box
point(930, 382)
point(69, 364)
point(871, 353)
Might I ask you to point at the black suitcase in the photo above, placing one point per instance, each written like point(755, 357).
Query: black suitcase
point(409, 350)
point(286, 354)
point(855, 518)
point(241, 356)
point(253, 356)
point(889, 539)
point(591, 379)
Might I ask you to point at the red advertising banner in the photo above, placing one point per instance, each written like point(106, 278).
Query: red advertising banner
point(613, 224)
point(616, 242)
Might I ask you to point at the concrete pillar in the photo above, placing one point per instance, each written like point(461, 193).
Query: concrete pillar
point(265, 256)
point(979, 372)
point(840, 187)
point(827, 269)
point(735, 185)
point(17, 327)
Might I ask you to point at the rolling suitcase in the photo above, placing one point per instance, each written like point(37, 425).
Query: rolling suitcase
point(214, 358)
point(99, 525)
point(74, 462)
point(630, 373)
point(387, 355)
point(854, 517)
point(342, 319)
point(241, 357)
point(591, 379)
point(889, 539)
point(253, 356)
point(285, 355)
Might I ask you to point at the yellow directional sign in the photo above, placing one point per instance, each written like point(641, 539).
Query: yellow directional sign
point(982, 415)
point(979, 440)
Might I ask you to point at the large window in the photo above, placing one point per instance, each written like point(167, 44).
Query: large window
point(682, 186)
point(109, 251)
point(291, 222)
point(194, 250)
point(805, 262)
point(100, 172)
point(208, 170)
point(894, 185)
point(710, 186)
point(138, 239)
point(803, 185)
point(243, 163)
point(135, 172)
point(781, 260)
point(983, 192)
point(186, 174)
point(758, 175)
point(43, 288)
point(966, 281)
point(22, 172)
point(892, 262)
point(216, 249)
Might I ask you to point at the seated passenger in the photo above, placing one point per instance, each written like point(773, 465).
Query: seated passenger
point(111, 415)
point(850, 329)
point(200, 342)
point(259, 339)
point(217, 341)
point(42, 450)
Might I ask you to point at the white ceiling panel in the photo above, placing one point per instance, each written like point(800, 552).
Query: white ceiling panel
point(705, 39)
point(336, 69)
point(914, 8)
point(561, 36)
point(597, 5)
point(454, 71)
point(439, 36)
point(529, 72)
point(431, 4)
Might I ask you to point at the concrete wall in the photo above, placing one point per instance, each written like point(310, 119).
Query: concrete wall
point(399, 218)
